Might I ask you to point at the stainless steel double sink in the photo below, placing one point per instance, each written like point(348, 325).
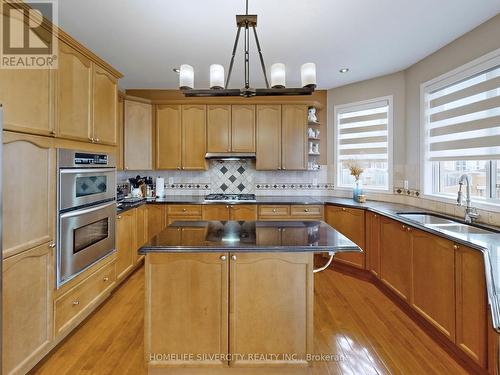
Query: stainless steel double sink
point(438, 222)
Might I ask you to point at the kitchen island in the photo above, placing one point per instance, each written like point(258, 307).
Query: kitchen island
point(233, 297)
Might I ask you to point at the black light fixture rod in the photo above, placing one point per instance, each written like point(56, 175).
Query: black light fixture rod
point(235, 47)
point(247, 7)
point(247, 56)
point(260, 56)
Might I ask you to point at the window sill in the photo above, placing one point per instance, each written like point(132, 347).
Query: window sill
point(482, 205)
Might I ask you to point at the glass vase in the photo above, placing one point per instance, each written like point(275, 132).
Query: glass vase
point(357, 191)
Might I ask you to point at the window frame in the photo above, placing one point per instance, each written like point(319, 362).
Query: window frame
point(429, 174)
point(358, 106)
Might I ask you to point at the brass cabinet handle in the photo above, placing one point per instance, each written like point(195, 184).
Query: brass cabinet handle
point(343, 208)
point(223, 258)
point(274, 209)
point(52, 244)
point(184, 210)
point(283, 168)
point(408, 229)
point(456, 247)
point(76, 303)
point(118, 217)
point(234, 257)
point(306, 210)
point(403, 226)
point(52, 132)
point(227, 206)
point(105, 278)
point(97, 140)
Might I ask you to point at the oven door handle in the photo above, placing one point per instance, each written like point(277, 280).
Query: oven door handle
point(88, 210)
point(87, 170)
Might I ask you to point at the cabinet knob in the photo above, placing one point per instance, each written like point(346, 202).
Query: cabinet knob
point(279, 168)
point(375, 215)
point(76, 303)
point(118, 217)
point(184, 210)
point(179, 168)
point(408, 229)
point(306, 210)
point(274, 209)
point(52, 244)
point(403, 226)
point(52, 132)
point(105, 278)
point(283, 168)
point(182, 168)
point(343, 208)
point(91, 139)
point(234, 257)
point(227, 206)
point(456, 247)
point(97, 140)
point(223, 258)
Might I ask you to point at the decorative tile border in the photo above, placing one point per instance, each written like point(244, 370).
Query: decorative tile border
point(407, 192)
point(188, 186)
point(292, 186)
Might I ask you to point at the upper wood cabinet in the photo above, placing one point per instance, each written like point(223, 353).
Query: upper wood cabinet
point(168, 137)
point(351, 223)
point(395, 257)
point(294, 137)
point(471, 304)
point(194, 144)
point(218, 128)
point(243, 128)
point(105, 95)
point(138, 135)
point(120, 129)
point(73, 95)
point(268, 134)
point(28, 161)
point(433, 278)
point(28, 282)
point(27, 99)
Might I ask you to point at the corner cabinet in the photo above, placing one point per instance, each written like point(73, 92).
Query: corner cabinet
point(28, 281)
point(138, 135)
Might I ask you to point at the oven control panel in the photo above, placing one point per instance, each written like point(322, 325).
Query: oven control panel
point(90, 159)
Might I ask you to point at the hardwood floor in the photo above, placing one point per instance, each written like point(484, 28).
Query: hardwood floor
point(353, 320)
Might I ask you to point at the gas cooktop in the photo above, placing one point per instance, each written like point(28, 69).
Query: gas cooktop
point(230, 198)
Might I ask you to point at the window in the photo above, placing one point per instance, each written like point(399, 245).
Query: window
point(363, 133)
point(461, 113)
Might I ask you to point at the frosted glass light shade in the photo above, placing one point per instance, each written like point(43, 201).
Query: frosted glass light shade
point(216, 76)
point(308, 75)
point(278, 76)
point(186, 77)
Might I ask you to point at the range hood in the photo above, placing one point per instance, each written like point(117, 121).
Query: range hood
point(229, 155)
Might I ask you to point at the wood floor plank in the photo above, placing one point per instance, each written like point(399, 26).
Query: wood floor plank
point(353, 320)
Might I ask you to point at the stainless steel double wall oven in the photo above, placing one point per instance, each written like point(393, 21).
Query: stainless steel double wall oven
point(86, 210)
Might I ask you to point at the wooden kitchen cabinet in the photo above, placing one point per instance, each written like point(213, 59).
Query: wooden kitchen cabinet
point(294, 150)
point(142, 231)
point(471, 304)
point(28, 161)
point(125, 243)
point(28, 100)
point(105, 95)
point(194, 144)
point(351, 223)
point(225, 212)
point(215, 212)
point(395, 257)
point(73, 95)
point(138, 135)
point(28, 282)
point(218, 128)
point(187, 305)
point(372, 254)
point(120, 129)
point(268, 134)
point(168, 137)
point(156, 219)
point(184, 212)
point(433, 280)
point(240, 212)
point(243, 128)
point(271, 306)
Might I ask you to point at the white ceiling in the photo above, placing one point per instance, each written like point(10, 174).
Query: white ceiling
point(145, 39)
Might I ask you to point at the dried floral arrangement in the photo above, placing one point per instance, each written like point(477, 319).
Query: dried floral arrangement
point(355, 168)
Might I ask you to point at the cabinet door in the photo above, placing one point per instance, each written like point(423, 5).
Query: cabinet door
point(27, 308)
point(194, 143)
point(138, 135)
point(120, 118)
point(73, 94)
point(268, 148)
point(104, 104)
point(218, 128)
point(433, 280)
point(29, 175)
point(271, 306)
point(351, 223)
point(294, 137)
point(27, 98)
point(142, 226)
point(243, 212)
point(395, 257)
point(243, 128)
point(168, 137)
point(125, 243)
point(215, 212)
point(187, 305)
point(471, 304)
point(156, 219)
point(372, 255)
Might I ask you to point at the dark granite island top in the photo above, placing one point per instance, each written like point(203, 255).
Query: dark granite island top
point(249, 236)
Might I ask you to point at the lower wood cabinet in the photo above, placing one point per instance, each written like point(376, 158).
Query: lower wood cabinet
point(433, 279)
point(395, 257)
point(142, 230)
point(372, 255)
point(351, 223)
point(299, 212)
point(156, 219)
point(28, 282)
point(183, 212)
point(125, 243)
point(224, 212)
point(471, 304)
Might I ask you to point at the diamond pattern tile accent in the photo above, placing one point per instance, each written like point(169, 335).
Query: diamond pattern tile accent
point(241, 170)
point(232, 178)
point(224, 187)
point(224, 170)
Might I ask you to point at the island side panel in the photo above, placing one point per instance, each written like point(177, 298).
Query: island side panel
point(271, 308)
point(186, 308)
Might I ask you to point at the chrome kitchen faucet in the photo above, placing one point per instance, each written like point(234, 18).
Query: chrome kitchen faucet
point(470, 212)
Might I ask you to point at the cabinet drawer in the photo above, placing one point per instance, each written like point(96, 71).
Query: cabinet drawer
point(274, 211)
point(79, 300)
point(306, 210)
point(184, 210)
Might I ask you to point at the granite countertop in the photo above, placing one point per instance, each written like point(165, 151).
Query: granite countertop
point(249, 236)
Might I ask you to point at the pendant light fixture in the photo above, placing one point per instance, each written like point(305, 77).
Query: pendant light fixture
point(219, 85)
